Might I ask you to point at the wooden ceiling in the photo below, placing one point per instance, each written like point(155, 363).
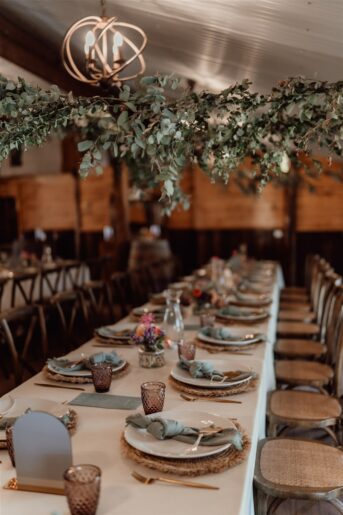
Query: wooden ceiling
point(211, 42)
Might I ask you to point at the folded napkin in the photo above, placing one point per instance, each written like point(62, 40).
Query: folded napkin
point(219, 333)
point(163, 429)
point(64, 365)
point(206, 370)
point(239, 312)
point(201, 369)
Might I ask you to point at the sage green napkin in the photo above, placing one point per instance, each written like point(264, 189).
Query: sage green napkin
point(219, 333)
point(163, 429)
point(106, 401)
point(201, 369)
point(64, 365)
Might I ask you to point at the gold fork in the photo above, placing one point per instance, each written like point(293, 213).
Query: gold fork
point(150, 480)
point(191, 398)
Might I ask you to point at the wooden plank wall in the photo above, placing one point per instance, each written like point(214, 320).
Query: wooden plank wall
point(95, 199)
point(47, 202)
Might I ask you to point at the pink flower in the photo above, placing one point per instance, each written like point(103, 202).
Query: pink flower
point(147, 319)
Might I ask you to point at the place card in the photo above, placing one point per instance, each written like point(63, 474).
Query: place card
point(103, 400)
point(42, 450)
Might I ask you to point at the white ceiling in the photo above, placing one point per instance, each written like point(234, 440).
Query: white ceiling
point(214, 42)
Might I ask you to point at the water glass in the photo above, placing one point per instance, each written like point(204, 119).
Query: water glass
point(207, 320)
point(186, 350)
point(9, 443)
point(102, 376)
point(82, 488)
point(153, 394)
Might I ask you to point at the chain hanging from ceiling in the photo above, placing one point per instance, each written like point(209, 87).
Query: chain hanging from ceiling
point(110, 56)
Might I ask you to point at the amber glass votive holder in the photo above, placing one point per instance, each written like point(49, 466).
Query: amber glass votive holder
point(82, 488)
point(153, 394)
point(102, 376)
point(9, 442)
point(186, 350)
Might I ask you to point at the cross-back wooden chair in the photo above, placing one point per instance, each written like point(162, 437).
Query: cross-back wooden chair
point(49, 281)
point(292, 468)
point(311, 410)
point(71, 274)
point(309, 348)
point(299, 372)
point(3, 281)
point(23, 286)
point(288, 327)
point(17, 329)
point(70, 305)
point(295, 294)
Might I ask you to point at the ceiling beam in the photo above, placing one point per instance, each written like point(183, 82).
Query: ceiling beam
point(38, 56)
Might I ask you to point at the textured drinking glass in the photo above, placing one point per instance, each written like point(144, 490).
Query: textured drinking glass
point(187, 350)
point(153, 397)
point(102, 376)
point(82, 488)
point(9, 440)
point(207, 320)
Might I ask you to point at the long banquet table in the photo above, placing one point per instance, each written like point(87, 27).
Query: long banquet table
point(97, 439)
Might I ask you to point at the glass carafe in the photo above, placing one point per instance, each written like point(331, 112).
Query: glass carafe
point(173, 322)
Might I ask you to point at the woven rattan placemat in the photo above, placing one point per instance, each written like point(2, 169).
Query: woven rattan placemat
point(81, 380)
point(213, 348)
point(196, 467)
point(247, 386)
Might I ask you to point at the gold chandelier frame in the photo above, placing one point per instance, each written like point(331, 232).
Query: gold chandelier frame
point(107, 74)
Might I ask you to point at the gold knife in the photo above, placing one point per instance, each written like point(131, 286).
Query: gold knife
point(59, 386)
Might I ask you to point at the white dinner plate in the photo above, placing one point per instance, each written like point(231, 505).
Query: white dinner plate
point(140, 439)
point(80, 373)
point(237, 339)
point(20, 404)
point(114, 333)
point(246, 315)
point(219, 364)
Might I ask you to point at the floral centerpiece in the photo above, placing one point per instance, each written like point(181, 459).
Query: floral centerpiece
point(150, 338)
point(204, 295)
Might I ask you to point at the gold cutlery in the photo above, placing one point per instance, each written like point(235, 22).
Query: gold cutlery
point(187, 397)
point(60, 386)
point(150, 480)
point(205, 431)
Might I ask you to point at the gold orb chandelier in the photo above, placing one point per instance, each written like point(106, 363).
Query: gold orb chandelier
point(106, 42)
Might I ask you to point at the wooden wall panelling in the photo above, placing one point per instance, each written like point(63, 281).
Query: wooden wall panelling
point(321, 210)
point(226, 207)
point(95, 200)
point(47, 202)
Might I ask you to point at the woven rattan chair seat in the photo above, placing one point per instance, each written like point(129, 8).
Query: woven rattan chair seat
point(301, 464)
point(298, 306)
point(302, 372)
point(297, 329)
point(297, 316)
point(298, 348)
point(298, 405)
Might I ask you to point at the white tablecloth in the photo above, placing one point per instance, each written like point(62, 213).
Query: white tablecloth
point(97, 441)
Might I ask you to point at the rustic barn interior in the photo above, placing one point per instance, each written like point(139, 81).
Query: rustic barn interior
point(82, 253)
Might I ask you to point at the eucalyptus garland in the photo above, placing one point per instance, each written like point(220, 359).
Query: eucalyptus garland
point(160, 133)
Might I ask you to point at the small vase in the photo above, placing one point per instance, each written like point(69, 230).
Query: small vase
point(151, 359)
